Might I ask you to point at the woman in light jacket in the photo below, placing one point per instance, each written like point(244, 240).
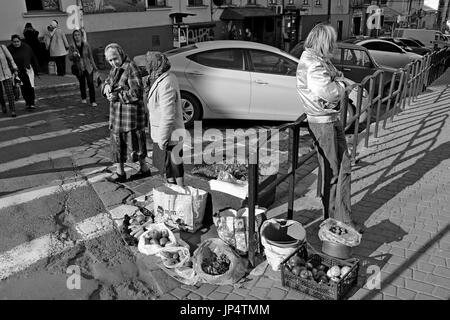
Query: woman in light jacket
point(81, 56)
point(162, 94)
point(56, 43)
point(321, 87)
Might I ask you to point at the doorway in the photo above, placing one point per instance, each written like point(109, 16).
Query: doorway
point(357, 26)
point(340, 25)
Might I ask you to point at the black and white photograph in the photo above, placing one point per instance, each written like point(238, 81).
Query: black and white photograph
point(239, 153)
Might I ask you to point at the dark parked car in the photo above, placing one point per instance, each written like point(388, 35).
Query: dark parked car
point(409, 45)
point(355, 62)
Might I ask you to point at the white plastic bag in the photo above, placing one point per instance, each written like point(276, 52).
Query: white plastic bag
point(216, 246)
point(350, 237)
point(152, 249)
point(166, 253)
point(178, 207)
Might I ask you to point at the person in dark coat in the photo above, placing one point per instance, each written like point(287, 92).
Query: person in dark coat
point(31, 37)
point(27, 65)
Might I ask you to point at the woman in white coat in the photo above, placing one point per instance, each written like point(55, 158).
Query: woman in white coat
point(162, 94)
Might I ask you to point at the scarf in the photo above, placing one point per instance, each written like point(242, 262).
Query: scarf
point(157, 64)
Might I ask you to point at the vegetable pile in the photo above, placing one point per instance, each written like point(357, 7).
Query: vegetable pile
point(214, 265)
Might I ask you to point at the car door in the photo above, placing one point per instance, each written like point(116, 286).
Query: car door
point(273, 86)
point(387, 54)
point(219, 78)
point(356, 64)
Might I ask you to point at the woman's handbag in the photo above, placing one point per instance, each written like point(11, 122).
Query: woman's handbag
point(16, 88)
point(75, 70)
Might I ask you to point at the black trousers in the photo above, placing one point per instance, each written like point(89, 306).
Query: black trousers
point(27, 89)
point(89, 78)
point(60, 65)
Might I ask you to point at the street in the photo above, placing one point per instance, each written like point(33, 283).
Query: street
point(47, 202)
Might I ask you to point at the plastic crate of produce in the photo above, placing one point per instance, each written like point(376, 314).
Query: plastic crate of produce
point(313, 281)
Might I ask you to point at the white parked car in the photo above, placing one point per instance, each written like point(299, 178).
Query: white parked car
point(229, 79)
point(386, 53)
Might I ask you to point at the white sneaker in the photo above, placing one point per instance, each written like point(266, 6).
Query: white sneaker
point(83, 101)
point(94, 104)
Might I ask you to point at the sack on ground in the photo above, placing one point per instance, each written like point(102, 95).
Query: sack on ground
point(52, 70)
point(337, 232)
point(178, 207)
point(232, 227)
point(215, 262)
point(174, 257)
point(150, 241)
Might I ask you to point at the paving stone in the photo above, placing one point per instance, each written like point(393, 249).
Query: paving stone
point(180, 293)
point(215, 295)
point(225, 289)
point(260, 293)
point(241, 291)
point(438, 281)
point(205, 289)
point(419, 275)
point(389, 289)
point(276, 294)
point(438, 261)
point(418, 286)
point(295, 295)
point(421, 296)
point(249, 297)
point(273, 275)
point(399, 252)
point(167, 296)
point(406, 294)
point(193, 296)
point(249, 283)
point(389, 297)
point(441, 293)
point(441, 271)
point(264, 283)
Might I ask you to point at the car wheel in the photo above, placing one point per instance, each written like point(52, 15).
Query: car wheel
point(192, 109)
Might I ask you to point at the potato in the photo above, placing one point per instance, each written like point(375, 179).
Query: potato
point(163, 241)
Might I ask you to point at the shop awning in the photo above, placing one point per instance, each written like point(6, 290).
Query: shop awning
point(198, 25)
point(242, 13)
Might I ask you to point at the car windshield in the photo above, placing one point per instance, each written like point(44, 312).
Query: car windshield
point(180, 50)
point(409, 42)
point(419, 42)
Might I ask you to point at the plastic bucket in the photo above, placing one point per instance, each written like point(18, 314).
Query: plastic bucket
point(280, 239)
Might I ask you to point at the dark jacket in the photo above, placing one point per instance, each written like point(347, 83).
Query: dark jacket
point(23, 57)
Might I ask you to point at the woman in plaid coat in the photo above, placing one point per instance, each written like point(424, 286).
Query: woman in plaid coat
point(8, 71)
point(127, 118)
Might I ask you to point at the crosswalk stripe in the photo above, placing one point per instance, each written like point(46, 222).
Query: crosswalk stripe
point(28, 125)
point(26, 254)
point(36, 158)
point(53, 134)
point(37, 113)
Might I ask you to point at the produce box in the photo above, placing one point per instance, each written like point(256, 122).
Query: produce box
point(319, 275)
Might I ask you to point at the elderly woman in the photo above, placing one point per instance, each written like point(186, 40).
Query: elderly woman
point(27, 65)
point(127, 118)
point(162, 94)
point(321, 87)
point(8, 71)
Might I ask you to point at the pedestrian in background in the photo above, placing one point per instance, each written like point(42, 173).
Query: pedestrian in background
point(56, 43)
point(31, 37)
point(27, 65)
point(127, 119)
point(248, 35)
point(321, 87)
point(83, 66)
point(8, 72)
point(166, 117)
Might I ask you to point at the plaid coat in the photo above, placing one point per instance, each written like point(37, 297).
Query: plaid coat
point(128, 112)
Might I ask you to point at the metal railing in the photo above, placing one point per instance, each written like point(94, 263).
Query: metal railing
point(404, 86)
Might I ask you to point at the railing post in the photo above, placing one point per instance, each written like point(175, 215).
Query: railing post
point(380, 98)
point(391, 91)
point(358, 115)
point(293, 156)
point(405, 88)
point(369, 111)
point(252, 201)
point(399, 94)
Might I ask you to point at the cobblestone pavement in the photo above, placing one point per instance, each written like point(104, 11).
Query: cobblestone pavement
point(401, 193)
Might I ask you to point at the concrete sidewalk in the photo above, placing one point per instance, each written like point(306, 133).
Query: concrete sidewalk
point(401, 192)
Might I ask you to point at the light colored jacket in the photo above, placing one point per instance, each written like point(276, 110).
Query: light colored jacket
point(85, 60)
point(56, 43)
point(320, 86)
point(165, 112)
point(6, 60)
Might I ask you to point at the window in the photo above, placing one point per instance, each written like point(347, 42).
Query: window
point(305, 2)
point(336, 58)
point(356, 58)
point(33, 5)
point(222, 58)
point(317, 2)
point(251, 1)
point(156, 3)
point(268, 62)
point(382, 46)
point(195, 3)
